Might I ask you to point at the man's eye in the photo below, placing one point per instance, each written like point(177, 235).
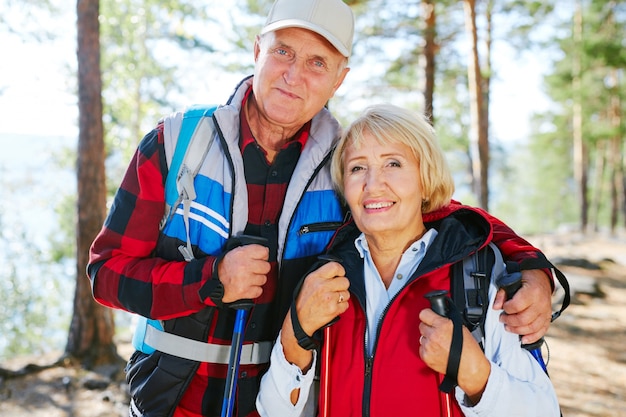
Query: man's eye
point(317, 65)
point(281, 53)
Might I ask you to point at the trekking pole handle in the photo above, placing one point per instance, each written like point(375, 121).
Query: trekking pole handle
point(243, 240)
point(511, 282)
point(438, 304)
point(325, 258)
point(437, 300)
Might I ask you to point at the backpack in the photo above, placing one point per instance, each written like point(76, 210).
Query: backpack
point(469, 300)
point(194, 130)
point(470, 286)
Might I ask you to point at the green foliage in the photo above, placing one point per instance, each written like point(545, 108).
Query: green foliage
point(596, 86)
point(23, 18)
point(542, 193)
point(147, 47)
point(63, 241)
point(33, 318)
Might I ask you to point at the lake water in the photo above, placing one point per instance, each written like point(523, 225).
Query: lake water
point(33, 182)
point(36, 293)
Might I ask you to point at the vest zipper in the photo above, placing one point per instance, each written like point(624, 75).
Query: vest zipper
point(316, 171)
point(319, 227)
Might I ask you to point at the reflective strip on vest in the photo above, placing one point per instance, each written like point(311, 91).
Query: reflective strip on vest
point(252, 354)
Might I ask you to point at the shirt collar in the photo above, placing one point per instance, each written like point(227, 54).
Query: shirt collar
point(424, 242)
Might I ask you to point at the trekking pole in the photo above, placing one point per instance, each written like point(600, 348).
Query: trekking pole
point(438, 305)
point(511, 282)
point(325, 355)
point(242, 307)
point(324, 377)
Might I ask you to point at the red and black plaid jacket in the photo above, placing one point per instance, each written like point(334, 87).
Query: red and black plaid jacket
point(135, 268)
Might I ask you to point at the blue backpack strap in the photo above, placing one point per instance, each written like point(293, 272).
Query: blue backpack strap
point(140, 334)
point(191, 119)
point(192, 116)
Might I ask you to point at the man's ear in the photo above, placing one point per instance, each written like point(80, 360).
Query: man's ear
point(257, 47)
point(342, 77)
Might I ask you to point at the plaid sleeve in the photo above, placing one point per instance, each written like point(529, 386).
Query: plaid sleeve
point(124, 273)
point(517, 249)
point(513, 247)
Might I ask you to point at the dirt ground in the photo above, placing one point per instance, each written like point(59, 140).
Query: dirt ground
point(587, 358)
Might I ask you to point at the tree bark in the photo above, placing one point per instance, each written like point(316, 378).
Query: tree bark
point(580, 151)
point(480, 164)
point(595, 203)
point(615, 157)
point(92, 328)
point(485, 78)
point(430, 53)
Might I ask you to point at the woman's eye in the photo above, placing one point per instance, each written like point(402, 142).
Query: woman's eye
point(356, 168)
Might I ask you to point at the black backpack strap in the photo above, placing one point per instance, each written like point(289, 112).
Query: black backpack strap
point(469, 290)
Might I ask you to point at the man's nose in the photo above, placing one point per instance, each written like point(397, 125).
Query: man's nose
point(293, 73)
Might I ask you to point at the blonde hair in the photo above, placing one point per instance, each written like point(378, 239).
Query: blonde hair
point(388, 123)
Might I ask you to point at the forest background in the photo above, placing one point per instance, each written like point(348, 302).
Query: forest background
point(559, 166)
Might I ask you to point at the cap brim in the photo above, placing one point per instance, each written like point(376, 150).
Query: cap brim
point(296, 23)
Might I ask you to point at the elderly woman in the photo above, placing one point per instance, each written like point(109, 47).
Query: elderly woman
point(386, 353)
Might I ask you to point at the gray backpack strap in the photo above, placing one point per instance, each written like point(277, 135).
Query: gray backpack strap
point(470, 287)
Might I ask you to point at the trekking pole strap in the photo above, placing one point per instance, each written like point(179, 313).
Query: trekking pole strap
point(443, 305)
point(456, 347)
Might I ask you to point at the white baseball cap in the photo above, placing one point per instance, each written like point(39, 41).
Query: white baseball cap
point(332, 19)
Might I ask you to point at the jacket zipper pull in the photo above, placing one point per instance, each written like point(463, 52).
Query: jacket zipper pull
point(368, 366)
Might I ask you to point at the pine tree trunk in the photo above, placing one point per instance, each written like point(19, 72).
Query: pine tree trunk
point(595, 204)
point(615, 158)
point(480, 164)
point(92, 328)
point(580, 151)
point(430, 52)
point(485, 79)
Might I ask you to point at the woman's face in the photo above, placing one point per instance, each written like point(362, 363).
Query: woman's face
point(383, 190)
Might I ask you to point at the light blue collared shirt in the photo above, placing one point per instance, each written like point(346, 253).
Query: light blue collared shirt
point(377, 296)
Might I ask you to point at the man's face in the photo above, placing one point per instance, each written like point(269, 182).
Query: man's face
point(297, 71)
